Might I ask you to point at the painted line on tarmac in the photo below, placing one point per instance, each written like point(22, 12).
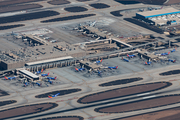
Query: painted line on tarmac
point(142, 94)
point(149, 97)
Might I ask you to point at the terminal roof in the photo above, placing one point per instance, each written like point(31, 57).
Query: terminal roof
point(161, 12)
point(29, 73)
point(48, 61)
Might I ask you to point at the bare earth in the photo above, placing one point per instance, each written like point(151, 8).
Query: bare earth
point(171, 114)
point(156, 102)
point(24, 110)
point(122, 92)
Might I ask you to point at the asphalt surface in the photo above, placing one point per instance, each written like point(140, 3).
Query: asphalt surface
point(67, 104)
point(68, 18)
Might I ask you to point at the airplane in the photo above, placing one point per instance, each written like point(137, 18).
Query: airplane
point(46, 38)
point(131, 56)
point(38, 72)
point(172, 60)
point(51, 78)
point(163, 54)
point(125, 59)
point(147, 63)
point(26, 84)
point(99, 73)
point(53, 41)
point(173, 50)
point(51, 82)
point(99, 61)
point(80, 69)
point(53, 95)
point(38, 84)
point(9, 78)
point(113, 67)
point(43, 75)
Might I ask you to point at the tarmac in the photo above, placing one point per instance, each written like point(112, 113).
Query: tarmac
point(67, 104)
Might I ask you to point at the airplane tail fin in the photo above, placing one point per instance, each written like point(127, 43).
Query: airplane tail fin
point(49, 97)
point(42, 70)
point(175, 48)
point(122, 58)
point(48, 74)
point(76, 69)
point(174, 61)
point(116, 67)
point(101, 60)
point(55, 77)
point(127, 55)
point(168, 53)
point(5, 77)
point(145, 63)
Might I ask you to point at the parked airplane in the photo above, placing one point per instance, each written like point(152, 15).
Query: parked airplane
point(163, 54)
point(99, 73)
point(51, 96)
point(147, 63)
point(26, 84)
point(99, 61)
point(46, 38)
point(115, 67)
point(51, 82)
point(51, 78)
point(173, 50)
point(9, 78)
point(38, 84)
point(80, 69)
point(131, 56)
point(43, 75)
point(38, 72)
point(172, 60)
point(125, 59)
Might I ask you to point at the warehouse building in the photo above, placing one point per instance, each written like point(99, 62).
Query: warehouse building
point(160, 17)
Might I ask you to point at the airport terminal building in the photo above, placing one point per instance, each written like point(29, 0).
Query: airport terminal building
point(166, 16)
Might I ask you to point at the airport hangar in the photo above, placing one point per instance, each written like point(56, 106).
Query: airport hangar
point(160, 17)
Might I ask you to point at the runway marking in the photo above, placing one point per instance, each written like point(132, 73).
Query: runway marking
point(142, 94)
point(149, 97)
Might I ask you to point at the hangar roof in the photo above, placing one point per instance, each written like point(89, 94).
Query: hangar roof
point(155, 13)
